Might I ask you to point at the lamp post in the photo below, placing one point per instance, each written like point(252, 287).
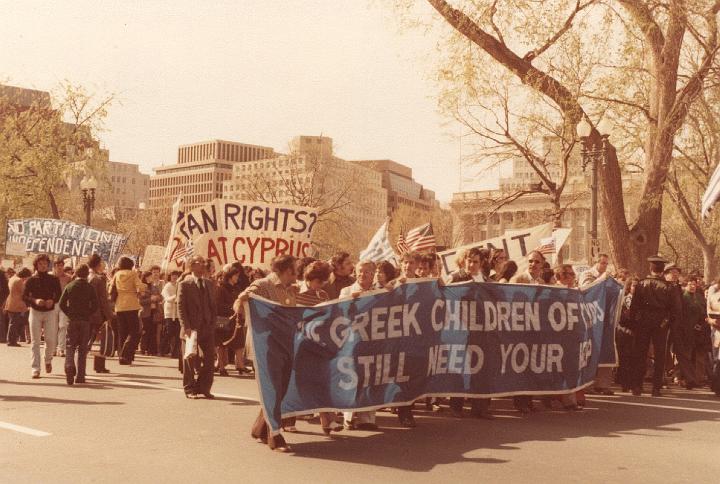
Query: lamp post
point(88, 187)
point(594, 151)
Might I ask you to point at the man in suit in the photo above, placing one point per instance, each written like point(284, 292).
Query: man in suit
point(197, 312)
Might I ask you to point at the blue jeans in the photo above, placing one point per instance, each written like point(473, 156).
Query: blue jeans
point(78, 334)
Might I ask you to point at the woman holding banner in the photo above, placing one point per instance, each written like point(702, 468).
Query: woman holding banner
point(316, 275)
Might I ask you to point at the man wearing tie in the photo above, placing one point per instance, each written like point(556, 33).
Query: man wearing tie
point(197, 312)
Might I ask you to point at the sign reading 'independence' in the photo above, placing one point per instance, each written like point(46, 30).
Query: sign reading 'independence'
point(61, 237)
point(423, 339)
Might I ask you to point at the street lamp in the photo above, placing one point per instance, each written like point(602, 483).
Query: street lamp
point(594, 151)
point(88, 187)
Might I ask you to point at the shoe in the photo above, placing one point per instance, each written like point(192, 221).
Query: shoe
point(191, 396)
point(279, 444)
point(80, 380)
point(625, 389)
point(124, 362)
point(14, 344)
point(36, 374)
point(366, 426)
point(333, 428)
point(102, 370)
point(290, 428)
point(208, 395)
point(222, 372)
point(604, 391)
point(656, 392)
point(690, 386)
point(48, 368)
point(348, 425)
point(637, 392)
point(70, 375)
point(408, 422)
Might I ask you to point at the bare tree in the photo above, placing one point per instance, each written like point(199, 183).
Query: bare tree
point(668, 50)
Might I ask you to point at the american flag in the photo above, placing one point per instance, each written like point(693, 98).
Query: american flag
point(547, 246)
point(185, 252)
point(421, 238)
point(402, 247)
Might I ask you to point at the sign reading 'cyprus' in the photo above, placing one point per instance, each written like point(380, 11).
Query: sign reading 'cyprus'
point(250, 232)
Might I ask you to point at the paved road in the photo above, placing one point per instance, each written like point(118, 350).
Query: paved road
point(134, 425)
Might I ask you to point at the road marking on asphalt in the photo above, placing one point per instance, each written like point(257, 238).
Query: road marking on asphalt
point(647, 405)
point(128, 383)
point(668, 398)
point(24, 430)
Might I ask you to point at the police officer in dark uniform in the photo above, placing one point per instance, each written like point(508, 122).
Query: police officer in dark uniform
point(650, 311)
point(680, 338)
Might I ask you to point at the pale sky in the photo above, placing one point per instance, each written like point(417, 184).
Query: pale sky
point(251, 71)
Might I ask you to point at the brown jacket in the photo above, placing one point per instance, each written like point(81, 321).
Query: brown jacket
point(15, 303)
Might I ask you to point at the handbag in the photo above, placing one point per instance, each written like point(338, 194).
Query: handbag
point(191, 347)
point(113, 292)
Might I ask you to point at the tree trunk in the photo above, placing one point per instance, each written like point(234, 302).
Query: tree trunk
point(53, 205)
point(709, 263)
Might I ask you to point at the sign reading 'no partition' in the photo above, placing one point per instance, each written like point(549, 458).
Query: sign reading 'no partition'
point(61, 237)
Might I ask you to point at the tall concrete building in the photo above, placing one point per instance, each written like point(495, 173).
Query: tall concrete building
point(129, 188)
point(200, 171)
point(476, 216)
point(402, 189)
point(311, 175)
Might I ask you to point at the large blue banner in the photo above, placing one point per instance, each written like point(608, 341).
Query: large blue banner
point(425, 339)
point(61, 237)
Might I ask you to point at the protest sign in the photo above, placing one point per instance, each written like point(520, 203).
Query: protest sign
point(62, 237)
point(176, 240)
point(423, 339)
point(153, 256)
point(250, 232)
point(517, 243)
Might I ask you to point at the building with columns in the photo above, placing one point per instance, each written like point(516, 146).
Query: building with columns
point(476, 215)
point(200, 171)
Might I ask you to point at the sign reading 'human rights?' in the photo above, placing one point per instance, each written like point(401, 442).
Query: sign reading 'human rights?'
point(250, 232)
point(61, 237)
point(424, 339)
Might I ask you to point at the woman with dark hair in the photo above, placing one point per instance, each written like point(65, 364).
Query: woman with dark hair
point(125, 288)
point(150, 314)
point(316, 275)
point(498, 258)
point(236, 344)
point(385, 273)
point(508, 269)
point(227, 293)
point(171, 322)
point(624, 337)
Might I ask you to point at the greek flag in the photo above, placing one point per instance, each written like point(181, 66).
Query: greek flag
point(379, 248)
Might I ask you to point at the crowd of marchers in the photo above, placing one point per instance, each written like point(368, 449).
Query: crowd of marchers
point(668, 333)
